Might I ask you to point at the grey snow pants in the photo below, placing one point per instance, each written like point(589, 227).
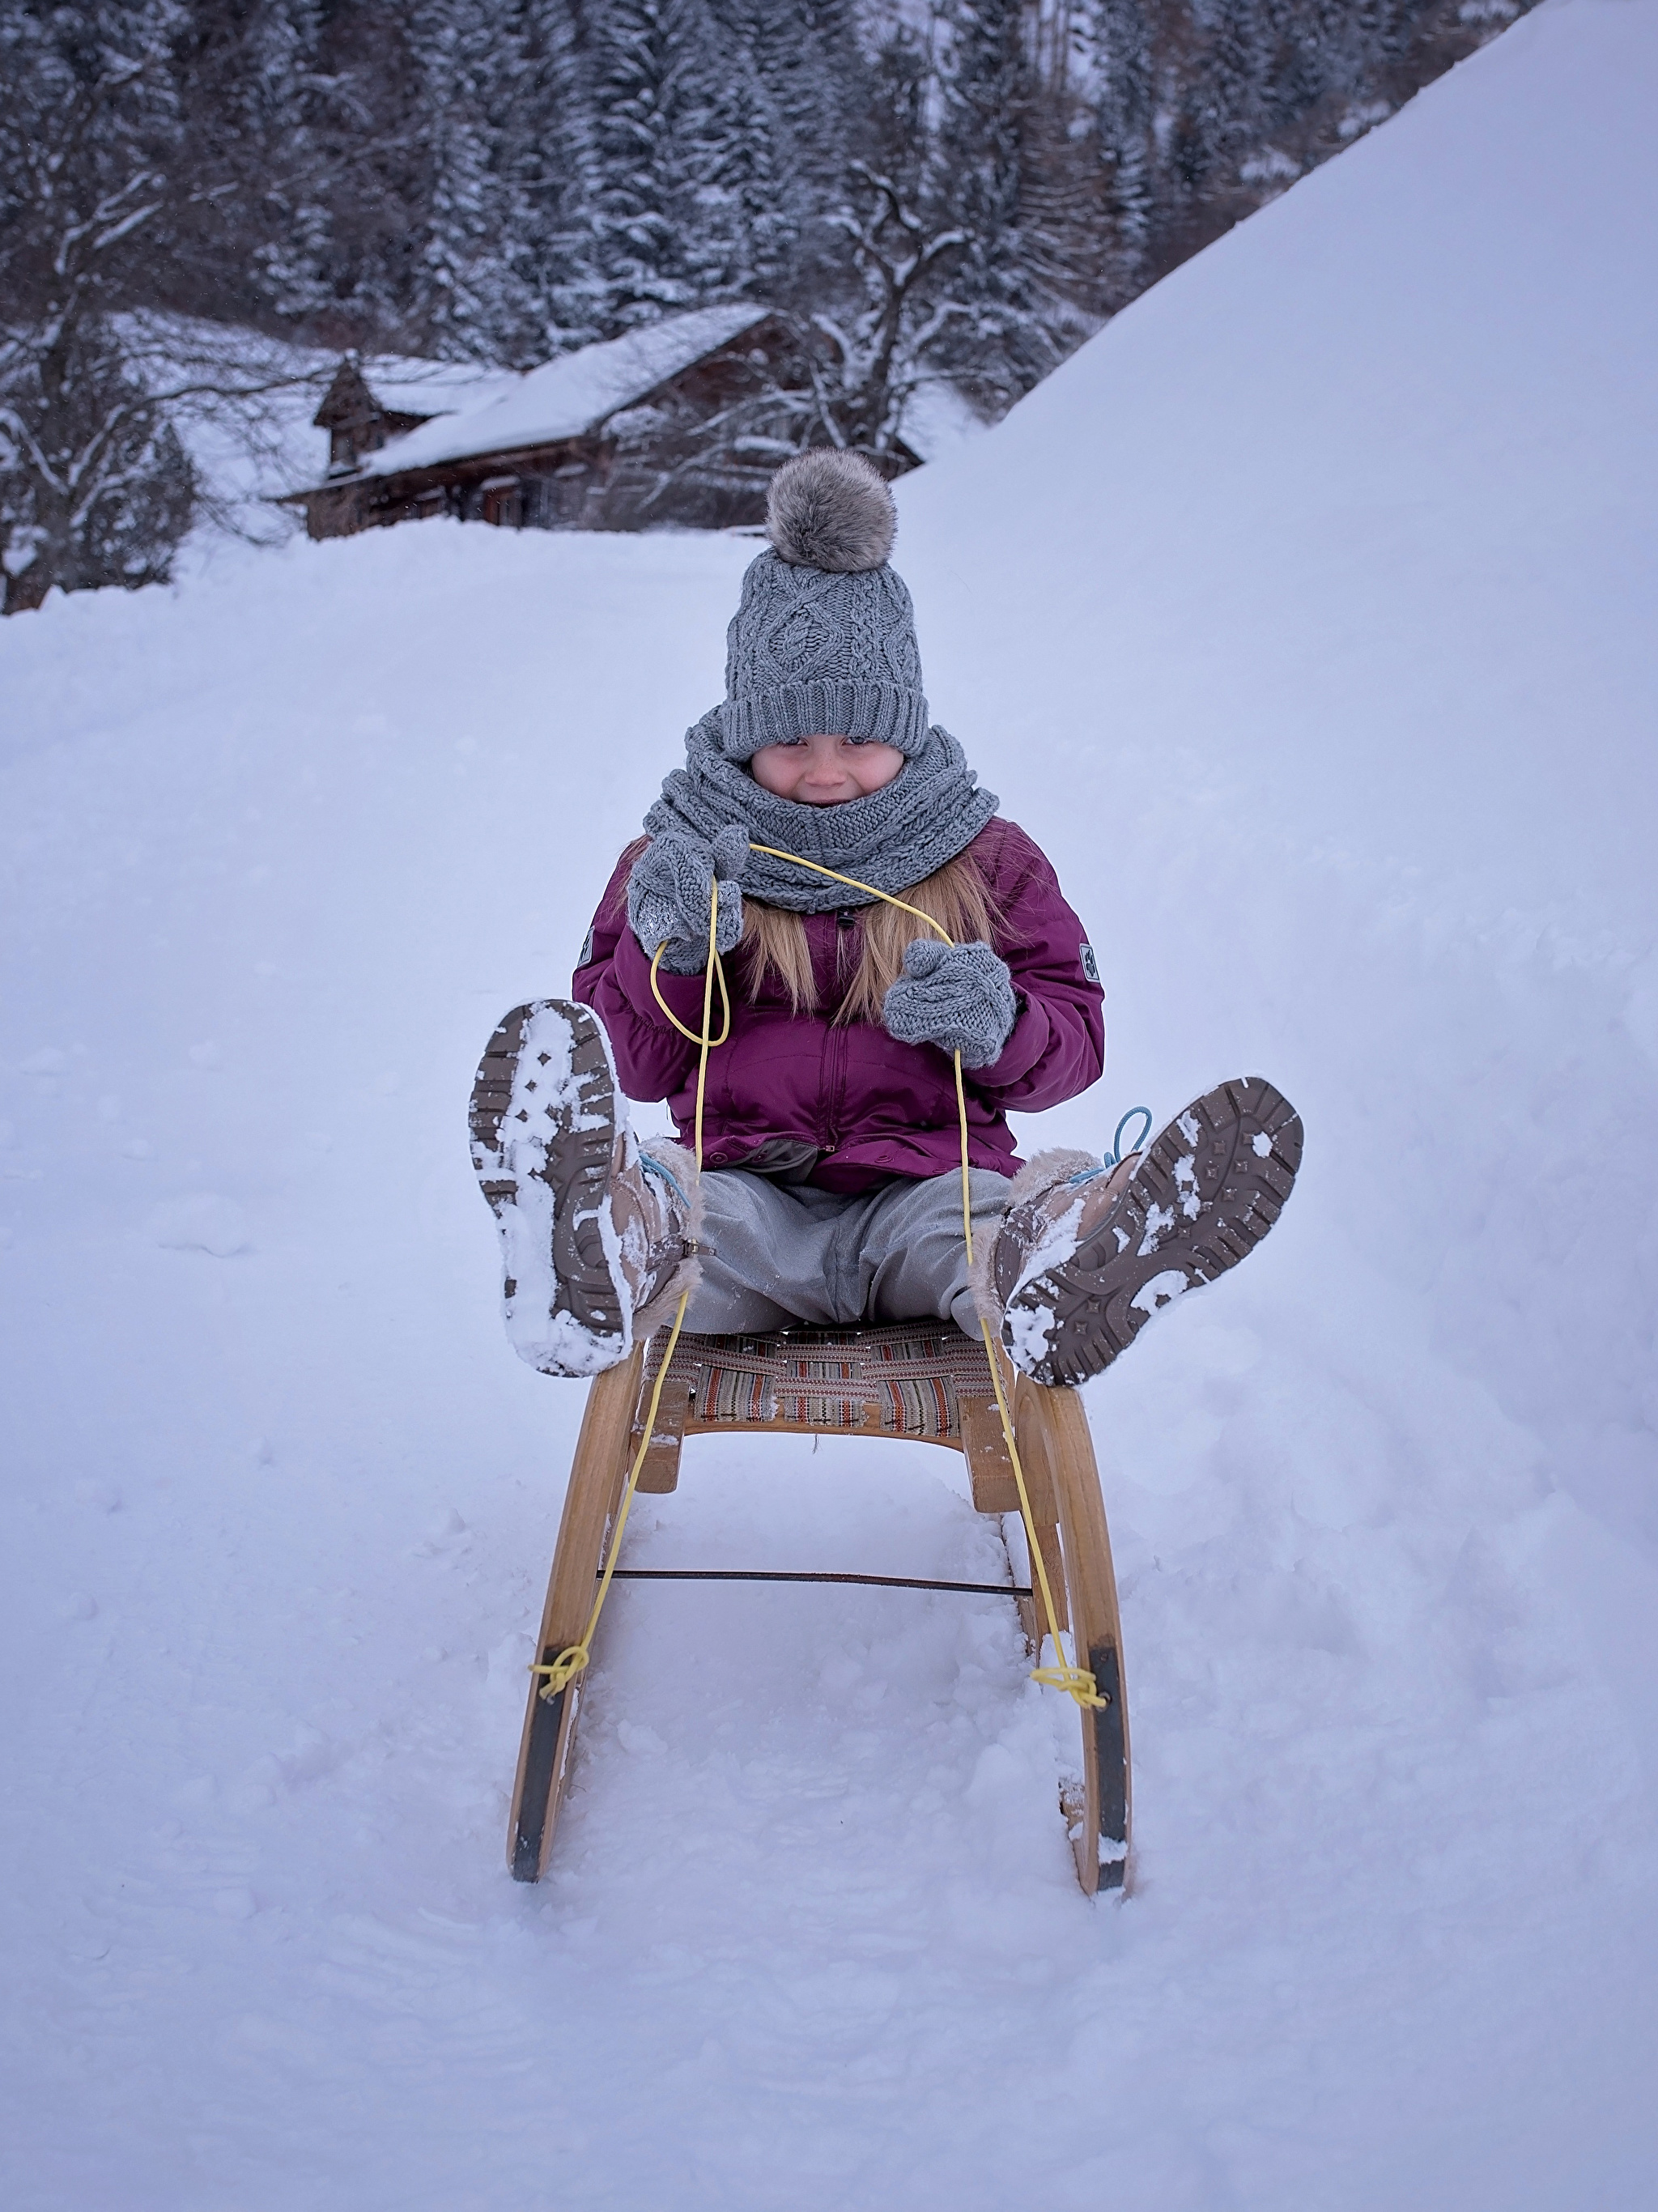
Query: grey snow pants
point(776, 1253)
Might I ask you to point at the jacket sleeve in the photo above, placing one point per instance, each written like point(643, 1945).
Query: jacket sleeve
point(1057, 1046)
point(614, 978)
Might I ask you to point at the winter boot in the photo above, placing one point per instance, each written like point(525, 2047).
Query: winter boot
point(598, 1239)
point(1086, 1254)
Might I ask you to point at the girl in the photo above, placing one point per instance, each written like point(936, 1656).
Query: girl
point(831, 1187)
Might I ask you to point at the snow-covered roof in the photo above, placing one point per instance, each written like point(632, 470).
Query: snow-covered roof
point(411, 386)
point(937, 418)
point(566, 397)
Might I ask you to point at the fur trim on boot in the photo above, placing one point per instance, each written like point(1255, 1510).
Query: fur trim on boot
point(1034, 1180)
point(661, 1157)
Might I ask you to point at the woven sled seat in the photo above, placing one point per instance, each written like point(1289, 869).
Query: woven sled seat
point(927, 1383)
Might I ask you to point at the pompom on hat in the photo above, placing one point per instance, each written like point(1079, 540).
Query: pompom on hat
point(824, 637)
point(832, 511)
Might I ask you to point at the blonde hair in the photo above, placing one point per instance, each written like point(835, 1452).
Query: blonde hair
point(774, 941)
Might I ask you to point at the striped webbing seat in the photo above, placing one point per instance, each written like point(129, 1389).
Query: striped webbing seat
point(904, 1380)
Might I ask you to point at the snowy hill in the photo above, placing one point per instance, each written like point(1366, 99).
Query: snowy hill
point(1351, 562)
point(1299, 617)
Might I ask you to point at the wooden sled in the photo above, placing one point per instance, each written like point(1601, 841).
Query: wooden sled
point(925, 1382)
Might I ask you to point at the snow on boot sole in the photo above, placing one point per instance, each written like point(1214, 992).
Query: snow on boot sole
point(544, 1129)
point(1205, 1192)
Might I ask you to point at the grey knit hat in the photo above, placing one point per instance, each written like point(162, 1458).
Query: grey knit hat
point(824, 635)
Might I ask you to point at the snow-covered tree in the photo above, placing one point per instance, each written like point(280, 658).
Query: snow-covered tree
point(280, 92)
point(1005, 324)
point(740, 221)
point(95, 484)
point(543, 155)
point(94, 488)
point(637, 251)
point(883, 345)
point(1121, 41)
point(466, 297)
point(507, 178)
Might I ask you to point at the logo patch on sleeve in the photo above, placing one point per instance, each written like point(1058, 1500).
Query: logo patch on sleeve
point(587, 950)
point(1091, 965)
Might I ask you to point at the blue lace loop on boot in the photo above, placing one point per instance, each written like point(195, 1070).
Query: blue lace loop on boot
point(652, 1165)
point(1115, 1159)
point(1116, 1156)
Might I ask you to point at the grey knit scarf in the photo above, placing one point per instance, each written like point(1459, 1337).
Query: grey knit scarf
point(931, 810)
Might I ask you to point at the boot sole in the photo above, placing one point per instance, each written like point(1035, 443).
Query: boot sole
point(1206, 1191)
point(542, 1124)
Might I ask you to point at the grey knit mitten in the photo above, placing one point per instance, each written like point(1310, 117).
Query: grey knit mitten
point(669, 894)
point(959, 997)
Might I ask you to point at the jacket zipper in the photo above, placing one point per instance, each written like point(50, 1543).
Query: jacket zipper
point(835, 1049)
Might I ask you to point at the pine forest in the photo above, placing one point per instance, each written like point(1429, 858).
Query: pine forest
point(959, 192)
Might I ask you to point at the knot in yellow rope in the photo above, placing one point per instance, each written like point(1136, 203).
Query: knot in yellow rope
point(563, 1670)
point(1076, 1682)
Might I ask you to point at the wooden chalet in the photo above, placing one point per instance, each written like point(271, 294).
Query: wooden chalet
point(359, 424)
point(603, 439)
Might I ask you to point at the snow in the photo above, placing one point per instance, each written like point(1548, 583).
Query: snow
point(410, 386)
point(1300, 617)
point(1158, 1290)
point(937, 419)
point(570, 395)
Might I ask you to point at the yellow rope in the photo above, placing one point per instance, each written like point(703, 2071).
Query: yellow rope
point(563, 1670)
point(817, 867)
point(1076, 1681)
point(717, 968)
point(571, 1661)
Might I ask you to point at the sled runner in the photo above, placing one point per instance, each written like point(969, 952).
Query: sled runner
point(924, 1382)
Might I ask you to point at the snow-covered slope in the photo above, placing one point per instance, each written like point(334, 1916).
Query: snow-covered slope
point(1298, 617)
point(1333, 562)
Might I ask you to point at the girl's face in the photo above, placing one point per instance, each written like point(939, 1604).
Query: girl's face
point(823, 771)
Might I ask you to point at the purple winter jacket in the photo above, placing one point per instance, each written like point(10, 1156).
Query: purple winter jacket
point(872, 1107)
